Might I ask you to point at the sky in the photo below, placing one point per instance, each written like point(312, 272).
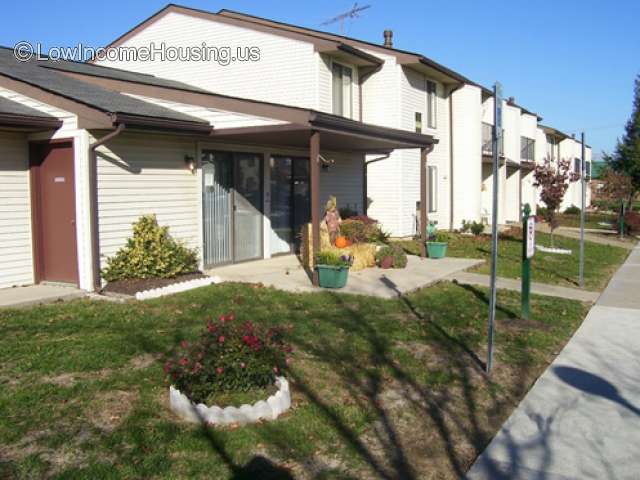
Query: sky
point(572, 62)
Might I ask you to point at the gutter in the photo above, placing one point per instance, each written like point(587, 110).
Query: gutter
point(93, 202)
point(29, 121)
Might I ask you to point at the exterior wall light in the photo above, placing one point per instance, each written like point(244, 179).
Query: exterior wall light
point(190, 161)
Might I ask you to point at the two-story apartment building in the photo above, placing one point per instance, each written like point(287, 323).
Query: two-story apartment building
point(373, 83)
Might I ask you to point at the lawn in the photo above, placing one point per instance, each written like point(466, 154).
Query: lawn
point(601, 261)
point(592, 220)
point(381, 388)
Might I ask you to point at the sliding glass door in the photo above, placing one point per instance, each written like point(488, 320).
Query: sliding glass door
point(232, 207)
point(289, 180)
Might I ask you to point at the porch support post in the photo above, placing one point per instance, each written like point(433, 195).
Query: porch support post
point(423, 202)
point(314, 170)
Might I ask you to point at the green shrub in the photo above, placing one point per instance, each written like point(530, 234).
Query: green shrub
point(362, 229)
point(541, 211)
point(466, 226)
point(572, 210)
point(391, 256)
point(477, 228)
point(333, 258)
point(150, 253)
point(228, 357)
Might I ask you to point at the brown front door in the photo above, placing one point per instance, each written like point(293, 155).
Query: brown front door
point(53, 177)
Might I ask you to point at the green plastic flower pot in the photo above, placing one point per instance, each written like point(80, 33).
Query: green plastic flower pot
point(436, 249)
point(332, 277)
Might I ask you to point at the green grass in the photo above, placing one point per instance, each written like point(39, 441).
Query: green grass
point(601, 261)
point(592, 220)
point(381, 388)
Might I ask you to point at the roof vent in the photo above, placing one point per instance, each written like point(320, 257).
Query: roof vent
point(511, 100)
point(388, 38)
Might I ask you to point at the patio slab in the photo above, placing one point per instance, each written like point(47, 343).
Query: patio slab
point(286, 273)
point(37, 294)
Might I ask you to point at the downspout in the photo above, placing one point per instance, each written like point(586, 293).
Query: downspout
point(365, 199)
point(93, 195)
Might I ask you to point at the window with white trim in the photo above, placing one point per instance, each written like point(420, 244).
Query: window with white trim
point(342, 90)
point(431, 104)
point(527, 149)
point(432, 188)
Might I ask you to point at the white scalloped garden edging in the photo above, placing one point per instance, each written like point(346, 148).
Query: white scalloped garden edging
point(177, 288)
point(268, 409)
point(561, 251)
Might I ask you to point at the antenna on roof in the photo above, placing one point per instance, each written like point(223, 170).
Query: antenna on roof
point(351, 14)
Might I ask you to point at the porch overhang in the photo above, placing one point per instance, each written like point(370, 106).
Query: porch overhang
point(338, 134)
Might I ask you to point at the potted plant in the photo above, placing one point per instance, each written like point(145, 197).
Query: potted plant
point(333, 268)
point(437, 245)
point(391, 256)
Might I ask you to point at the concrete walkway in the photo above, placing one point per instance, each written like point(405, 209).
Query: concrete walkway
point(37, 294)
point(603, 238)
point(581, 419)
point(286, 273)
point(537, 288)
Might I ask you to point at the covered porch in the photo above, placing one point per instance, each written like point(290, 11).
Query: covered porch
point(326, 140)
point(286, 273)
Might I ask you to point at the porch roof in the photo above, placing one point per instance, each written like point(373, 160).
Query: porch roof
point(338, 134)
point(16, 115)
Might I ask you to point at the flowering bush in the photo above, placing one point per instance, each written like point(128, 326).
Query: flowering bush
point(362, 229)
point(228, 357)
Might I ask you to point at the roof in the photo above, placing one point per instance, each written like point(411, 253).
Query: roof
point(17, 115)
point(36, 73)
point(324, 41)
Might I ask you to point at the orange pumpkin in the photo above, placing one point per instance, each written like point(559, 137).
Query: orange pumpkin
point(341, 241)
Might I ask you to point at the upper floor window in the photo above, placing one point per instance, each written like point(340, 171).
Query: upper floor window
point(431, 104)
point(552, 147)
point(588, 169)
point(527, 149)
point(577, 165)
point(419, 122)
point(342, 90)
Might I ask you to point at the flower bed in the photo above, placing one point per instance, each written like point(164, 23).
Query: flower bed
point(229, 357)
point(268, 409)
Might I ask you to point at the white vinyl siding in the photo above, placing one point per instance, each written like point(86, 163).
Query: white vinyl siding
point(146, 174)
point(343, 180)
point(16, 263)
point(432, 188)
point(285, 73)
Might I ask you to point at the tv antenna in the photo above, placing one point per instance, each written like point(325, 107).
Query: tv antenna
point(351, 14)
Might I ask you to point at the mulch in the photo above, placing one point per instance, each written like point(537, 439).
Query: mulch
point(131, 286)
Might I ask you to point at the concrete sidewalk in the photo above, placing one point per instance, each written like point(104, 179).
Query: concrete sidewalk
point(37, 294)
point(581, 419)
point(515, 285)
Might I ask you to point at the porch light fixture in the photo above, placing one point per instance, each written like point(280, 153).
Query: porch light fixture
point(325, 164)
point(191, 163)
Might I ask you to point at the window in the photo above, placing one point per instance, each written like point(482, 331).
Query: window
point(527, 149)
point(431, 104)
point(342, 90)
point(576, 165)
point(432, 188)
point(551, 147)
point(588, 169)
point(418, 122)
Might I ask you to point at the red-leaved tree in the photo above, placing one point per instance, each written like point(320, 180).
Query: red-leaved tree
point(553, 179)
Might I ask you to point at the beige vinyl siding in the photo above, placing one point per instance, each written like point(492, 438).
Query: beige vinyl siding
point(146, 174)
point(16, 262)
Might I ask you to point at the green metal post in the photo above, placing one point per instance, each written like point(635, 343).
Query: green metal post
point(526, 265)
point(622, 220)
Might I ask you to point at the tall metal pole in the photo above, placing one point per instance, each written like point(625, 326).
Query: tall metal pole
point(495, 140)
point(583, 181)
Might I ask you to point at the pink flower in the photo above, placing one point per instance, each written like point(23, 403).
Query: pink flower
point(242, 365)
point(184, 361)
point(220, 370)
point(197, 367)
point(221, 339)
point(211, 327)
point(222, 318)
point(231, 317)
point(184, 344)
point(167, 367)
